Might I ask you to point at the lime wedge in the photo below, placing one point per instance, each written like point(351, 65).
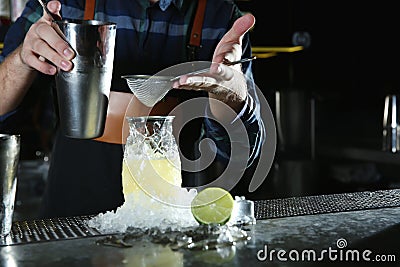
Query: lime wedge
point(212, 205)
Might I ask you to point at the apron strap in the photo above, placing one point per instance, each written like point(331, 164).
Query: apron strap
point(89, 9)
point(195, 35)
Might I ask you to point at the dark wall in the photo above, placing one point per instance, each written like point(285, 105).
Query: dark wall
point(351, 64)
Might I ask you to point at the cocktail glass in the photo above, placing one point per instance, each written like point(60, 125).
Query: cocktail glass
point(151, 161)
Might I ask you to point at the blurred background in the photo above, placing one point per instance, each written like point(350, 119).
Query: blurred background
point(328, 98)
point(326, 72)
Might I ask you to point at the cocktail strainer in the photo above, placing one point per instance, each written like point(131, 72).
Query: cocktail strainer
point(149, 89)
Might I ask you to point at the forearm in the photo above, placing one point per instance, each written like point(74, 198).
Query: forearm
point(223, 113)
point(246, 133)
point(16, 79)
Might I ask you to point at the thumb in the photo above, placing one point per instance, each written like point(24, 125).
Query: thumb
point(54, 7)
point(239, 28)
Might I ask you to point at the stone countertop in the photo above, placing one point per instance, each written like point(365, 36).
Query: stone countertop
point(376, 230)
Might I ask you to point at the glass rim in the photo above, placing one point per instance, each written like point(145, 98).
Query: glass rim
point(85, 22)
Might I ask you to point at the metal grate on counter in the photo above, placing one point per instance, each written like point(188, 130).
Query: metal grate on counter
point(75, 227)
point(308, 205)
point(49, 230)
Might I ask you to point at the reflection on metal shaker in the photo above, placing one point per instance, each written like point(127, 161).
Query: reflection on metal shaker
point(9, 158)
point(391, 127)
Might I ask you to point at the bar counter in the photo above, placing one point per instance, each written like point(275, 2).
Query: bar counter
point(338, 230)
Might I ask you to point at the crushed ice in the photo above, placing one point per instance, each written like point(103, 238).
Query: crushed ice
point(142, 211)
point(143, 217)
point(202, 237)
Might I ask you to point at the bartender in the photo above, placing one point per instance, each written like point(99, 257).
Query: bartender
point(85, 175)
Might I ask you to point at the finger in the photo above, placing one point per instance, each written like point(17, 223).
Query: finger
point(230, 46)
point(241, 26)
point(54, 42)
point(224, 72)
point(40, 64)
point(54, 7)
point(227, 52)
point(198, 83)
point(42, 48)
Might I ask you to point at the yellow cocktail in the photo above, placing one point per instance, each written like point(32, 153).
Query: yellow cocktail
point(150, 175)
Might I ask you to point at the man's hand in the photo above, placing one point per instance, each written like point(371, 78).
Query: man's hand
point(224, 82)
point(43, 49)
point(230, 46)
